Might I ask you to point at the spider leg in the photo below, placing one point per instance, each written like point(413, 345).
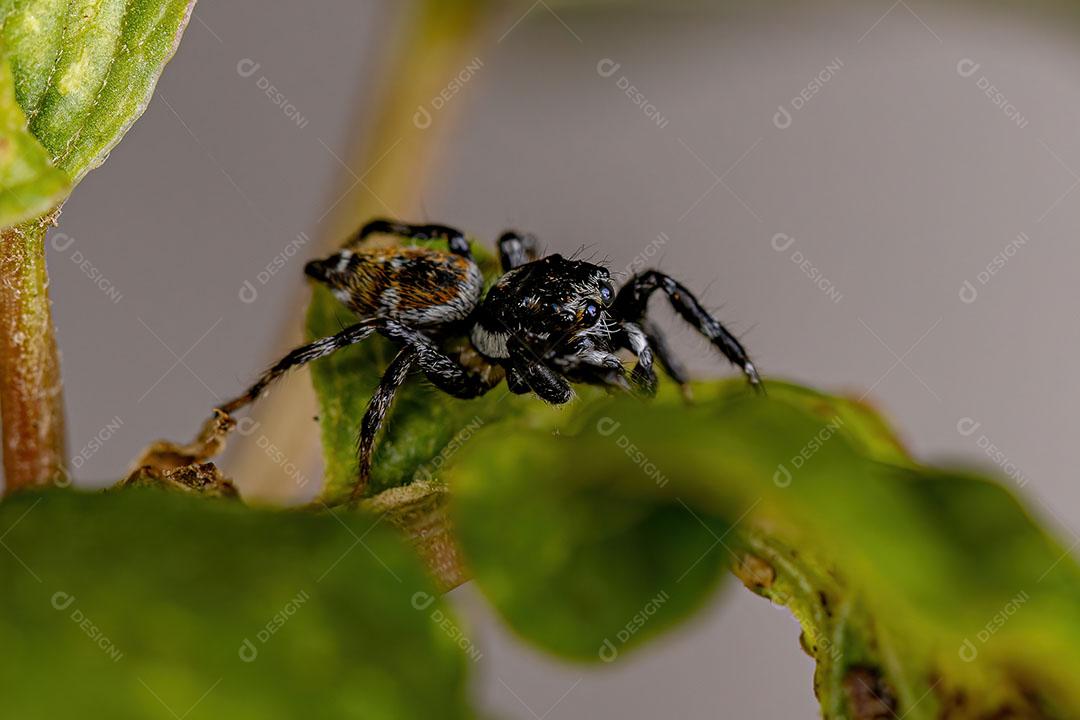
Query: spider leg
point(643, 375)
point(392, 379)
point(442, 370)
point(301, 356)
point(541, 379)
point(613, 380)
point(516, 381)
point(647, 342)
point(662, 351)
point(516, 249)
point(454, 237)
point(587, 363)
point(632, 301)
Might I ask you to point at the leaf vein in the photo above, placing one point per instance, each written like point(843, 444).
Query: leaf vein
point(135, 48)
point(52, 73)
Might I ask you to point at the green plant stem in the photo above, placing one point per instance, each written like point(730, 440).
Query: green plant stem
point(31, 398)
point(434, 40)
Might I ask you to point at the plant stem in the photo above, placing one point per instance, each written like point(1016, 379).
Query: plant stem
point(435, 39)
point(31, 398)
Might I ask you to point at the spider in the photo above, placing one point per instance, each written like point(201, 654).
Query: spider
point(546, 323)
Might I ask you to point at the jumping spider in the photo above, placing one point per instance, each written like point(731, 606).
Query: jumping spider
point(545, 323)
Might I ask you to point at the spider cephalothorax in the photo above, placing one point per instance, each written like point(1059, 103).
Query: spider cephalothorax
point(555, 310)
point(546, 322)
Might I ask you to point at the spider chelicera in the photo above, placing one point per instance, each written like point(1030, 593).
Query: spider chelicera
point(545, 323)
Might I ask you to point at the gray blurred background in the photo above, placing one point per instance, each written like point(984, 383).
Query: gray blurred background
point(919, 148)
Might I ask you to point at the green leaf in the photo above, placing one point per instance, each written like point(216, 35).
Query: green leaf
point(84, 71)
point(586, 572)
point(596, 527)
point(29, 184)
point(142, 604)
point(919, 590)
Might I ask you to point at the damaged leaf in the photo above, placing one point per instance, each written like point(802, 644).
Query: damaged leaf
point(203, 479)
point(163, 456)
point(914, 586)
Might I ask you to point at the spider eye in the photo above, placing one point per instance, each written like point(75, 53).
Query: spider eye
point(592, 311)
point(560, 314)
point(606, 293)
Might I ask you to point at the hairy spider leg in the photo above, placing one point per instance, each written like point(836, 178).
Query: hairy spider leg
point(418, 349)
point(302, 356)
point(516, 249)
point(526, 373)
point(443, 371)
point(633, 337)
point(394, 377)
point(668, 361)
point(515, 381)
point(440, 369)
point(587, 363)
point(604, 376)
point(632, 302)
point(455, 239)
point(541, 379)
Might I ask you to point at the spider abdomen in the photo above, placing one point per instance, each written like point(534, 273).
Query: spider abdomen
point(416, 285)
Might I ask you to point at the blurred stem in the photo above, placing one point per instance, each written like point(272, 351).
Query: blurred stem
point(437, 37)
point(31, 399)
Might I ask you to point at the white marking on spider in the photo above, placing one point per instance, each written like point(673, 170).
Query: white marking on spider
point(492, 344)
point(343, 261)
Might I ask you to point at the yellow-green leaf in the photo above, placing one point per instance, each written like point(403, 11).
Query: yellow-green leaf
point(29, 183)
point(84, 71)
